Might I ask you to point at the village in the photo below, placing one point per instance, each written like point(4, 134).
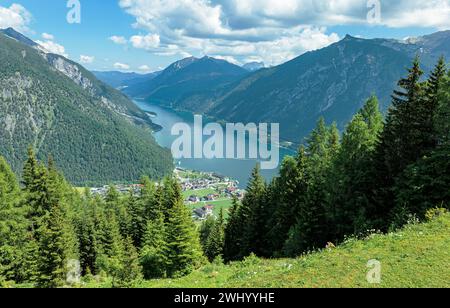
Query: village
point(206, 194)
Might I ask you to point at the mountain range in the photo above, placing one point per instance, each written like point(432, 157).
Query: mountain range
point(332, 82)
point(94, 132)
point(187, 82)
point(253, 66)
point(122, 80)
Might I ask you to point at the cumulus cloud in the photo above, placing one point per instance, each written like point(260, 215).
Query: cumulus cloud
point(120, 40)
point(144, 68)
point(230, 59)
point(148, 42)
point(15, 16)
point(47, 36)
point(53, 47)
point(121, 66)
point(270, 30)
point(86, 59)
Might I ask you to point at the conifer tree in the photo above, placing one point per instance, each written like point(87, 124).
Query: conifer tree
point(312, 229)
point(56, 238)
point(205, 230)
point(351, 177)
point(442, 117)
point(169, 195)
point(216, 238)
point(112, 197)
point(88, 248)
point(233, 233)
point(184, 251)
point(254, 215)
point(401, 142)
point(424, 184)
point(56, 248)
point(405, 139)
point(373, 117)
point(30, 168)
point(129, 271)
point(137, 224)
point(13, 227)
point(109, 241)
point(289, 192)
point(154, 251)
point(150, 199)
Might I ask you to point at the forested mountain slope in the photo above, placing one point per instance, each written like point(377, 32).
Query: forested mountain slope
point(189, 84)
point(95, 133)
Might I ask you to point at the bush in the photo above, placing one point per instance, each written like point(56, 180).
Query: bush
point(435, 213)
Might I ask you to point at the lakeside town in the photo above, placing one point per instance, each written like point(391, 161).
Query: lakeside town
point(205, 193)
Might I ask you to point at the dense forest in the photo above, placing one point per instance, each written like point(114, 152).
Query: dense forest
point(379, 175)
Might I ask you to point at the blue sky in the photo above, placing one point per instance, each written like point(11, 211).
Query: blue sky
point(147, 35)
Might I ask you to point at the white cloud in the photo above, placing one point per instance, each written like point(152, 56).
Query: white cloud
point(148, 42)
point(271, 30)
point(47, 36)
point(121, 66)
point(53, 47)
point(145, 68)
point(16, 16)
point(86, 59)
point(230, 59)
point(120, 40)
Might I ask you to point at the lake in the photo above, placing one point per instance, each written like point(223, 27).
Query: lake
point(237, 169)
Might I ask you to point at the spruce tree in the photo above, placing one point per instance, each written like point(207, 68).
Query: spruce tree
point(129, 271)
point(442, 117)
point(109, 241)
point(254, 215)
point(424, 186)
point(88, 248)
point(233, 233)
point(215, 242)
point(205, 230)
point(150, 199)
point(13, 227)
point(56, 248)
point(112, 197)
point(56, 238)
point(184, 251)
point(404, 140)
point(351, 177)
point(137, 223)
point(288, 192)
point(154, 251)
point(30, 168)
point(312, 229)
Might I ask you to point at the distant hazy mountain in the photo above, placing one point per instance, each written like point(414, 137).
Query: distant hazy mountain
point(120, 80)
point(95, 133)
point(253, 66)
point(332, 82)
point(188, 83)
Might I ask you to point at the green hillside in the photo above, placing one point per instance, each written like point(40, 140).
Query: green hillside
point(95, 134)
point(417, 256)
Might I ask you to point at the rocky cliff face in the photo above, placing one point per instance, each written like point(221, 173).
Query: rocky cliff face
point(72, 71)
